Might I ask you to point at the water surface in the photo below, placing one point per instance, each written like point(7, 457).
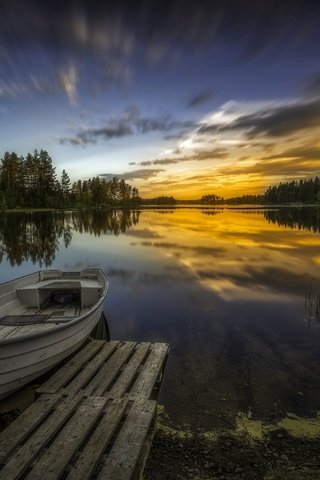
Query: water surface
point(226, 289)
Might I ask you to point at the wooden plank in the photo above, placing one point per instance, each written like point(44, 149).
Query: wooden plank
point(23, 457)
point(123, 457)
point(126, 377)
point(54, 461)
point(20, 428)
point(71, 368)
point(24, 330)
point(109, 370)
point(61, 285)
point(90, 456)
point(20, 320)
point(90, 369)
point(150, 372)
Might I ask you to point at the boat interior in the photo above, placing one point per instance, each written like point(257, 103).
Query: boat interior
point(49, 297)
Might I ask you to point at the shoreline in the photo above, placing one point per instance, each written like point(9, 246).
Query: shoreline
point(226, 206)
point(246, 453)
point(250, 451)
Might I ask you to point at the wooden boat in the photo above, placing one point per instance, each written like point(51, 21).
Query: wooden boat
point(44, 317)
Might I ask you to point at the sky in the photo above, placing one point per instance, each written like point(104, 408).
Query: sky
point(178, 98)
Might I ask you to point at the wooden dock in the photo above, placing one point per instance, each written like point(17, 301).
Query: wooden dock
point(93, 419)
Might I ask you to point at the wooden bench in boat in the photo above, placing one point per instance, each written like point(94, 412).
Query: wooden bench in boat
point(37, 295)
point(94, 416)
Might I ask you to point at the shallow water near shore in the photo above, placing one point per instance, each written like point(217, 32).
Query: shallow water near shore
point(225, 288)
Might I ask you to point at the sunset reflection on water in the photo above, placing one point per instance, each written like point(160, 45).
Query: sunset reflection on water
point(226, 288)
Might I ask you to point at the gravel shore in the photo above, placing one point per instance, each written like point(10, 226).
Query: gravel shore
point(183, 454)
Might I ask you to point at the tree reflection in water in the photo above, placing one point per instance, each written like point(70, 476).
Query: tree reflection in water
point(299, 217)
point(35, 236)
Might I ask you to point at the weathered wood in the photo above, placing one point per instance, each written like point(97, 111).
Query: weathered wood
point(143, 456)
point(92, 452)
point(122, 459)
point(90, 369)
point(27, 330)
point(150, 372)
point(81, 436)
point(23, 457)
point(16, 320)
point(126, 377)
point(109, 370)
point(20, 428)
point(52, 464)
point(72, 284)
point(71, 368)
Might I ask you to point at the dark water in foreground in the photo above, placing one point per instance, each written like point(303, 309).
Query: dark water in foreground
point(226, 289)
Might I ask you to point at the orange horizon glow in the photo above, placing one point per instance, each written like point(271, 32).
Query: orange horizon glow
point(229, 162)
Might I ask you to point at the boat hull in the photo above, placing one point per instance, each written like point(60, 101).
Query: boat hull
point(29, 358)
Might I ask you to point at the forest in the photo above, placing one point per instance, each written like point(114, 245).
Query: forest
point(297, 191)
point(32, 182)
point(304, 191)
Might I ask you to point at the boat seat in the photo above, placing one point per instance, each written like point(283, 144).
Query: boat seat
point(15, 320)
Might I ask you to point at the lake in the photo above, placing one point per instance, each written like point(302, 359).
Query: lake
point(233, 291)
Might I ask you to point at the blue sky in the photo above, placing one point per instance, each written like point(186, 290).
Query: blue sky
point(174, 97)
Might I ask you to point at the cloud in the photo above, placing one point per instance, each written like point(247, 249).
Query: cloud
point(201, 98)
point(312, 87)
point(282, 168)
point(173, 136)
point(275, 121)
point(68, 81)
point(11, 88)
point(197, 156)
point(75, 142)
point(91, 136)
point(156, 52)
point(142, 174)
point(115, 71)
point(302, 152)
point(129, 123)
point(41, 37)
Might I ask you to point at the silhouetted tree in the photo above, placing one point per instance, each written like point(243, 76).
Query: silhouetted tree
point(32, 182)
point(306, 191)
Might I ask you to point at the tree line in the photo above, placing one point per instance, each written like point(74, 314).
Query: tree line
point(296, 191)
point(32, 181)
point(304, 191)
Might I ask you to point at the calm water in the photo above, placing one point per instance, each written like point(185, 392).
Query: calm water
point(226, 289)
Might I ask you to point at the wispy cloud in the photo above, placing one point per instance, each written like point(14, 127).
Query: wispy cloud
point(197, 156)
point(131, 122)
point(68, 81)
point(303, 152)
point(277, 121)
point(141, 174)
point(201, 98)
point(42, 36)
point(312, 87)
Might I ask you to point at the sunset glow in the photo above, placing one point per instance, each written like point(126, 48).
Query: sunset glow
point(211, 98)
